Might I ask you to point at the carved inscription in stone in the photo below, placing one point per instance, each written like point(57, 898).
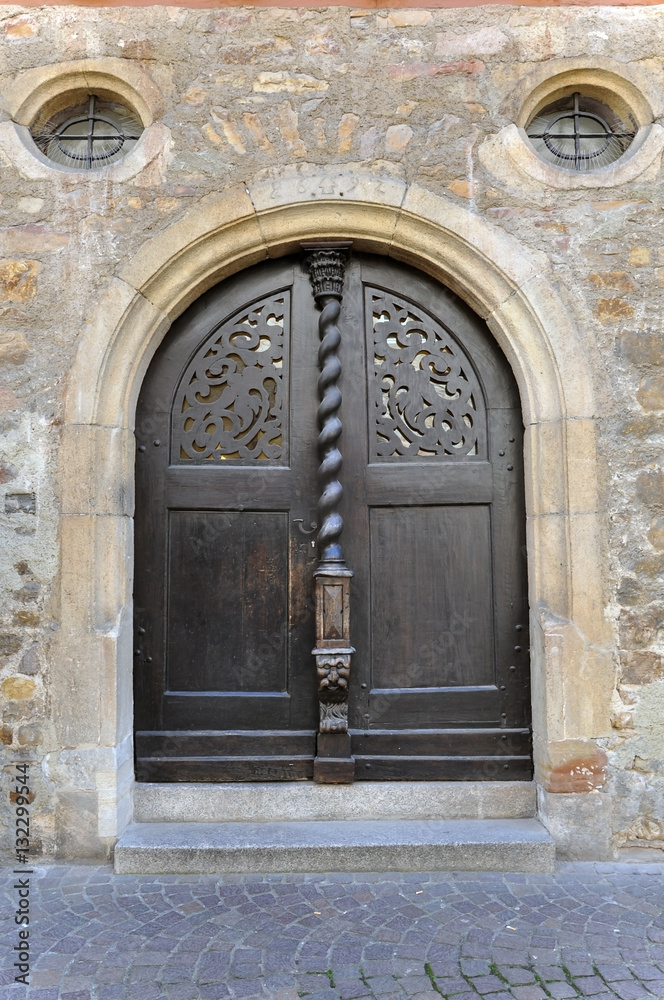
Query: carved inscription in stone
point(231, 402)
point(425, 401)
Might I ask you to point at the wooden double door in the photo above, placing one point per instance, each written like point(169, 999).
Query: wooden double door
point(434, 532)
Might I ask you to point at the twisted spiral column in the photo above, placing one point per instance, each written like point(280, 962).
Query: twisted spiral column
point(329, 518)
point(333, 651)
point(327, 269)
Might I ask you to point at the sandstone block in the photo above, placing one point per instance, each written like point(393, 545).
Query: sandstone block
point(7, 472)
point(292, 83)
point(639, 256)
point(9, 401)
point(641, 667)
point(397, 138)
point(33, 238)
point(19, 28)
point(614, 310)
point(573, 766)
point(656, 533)
point(650, 487)
point(28, 736)
point(10, 643)
point(407, 18)
point(29, 618)
point(580, 824)
point(641, 347)
point(403, 72)
point(651, 393)
point(256, 129)
point(462, 188)
point(618, 281)
point(14, 349)
point(642, 627)
point(287, 121)
point(231, 134)
point(18, 280)
point(347, 125)
point(644, 831)
point(322, 43)
point(30, 661)
point(18, 688)
point(487, 41)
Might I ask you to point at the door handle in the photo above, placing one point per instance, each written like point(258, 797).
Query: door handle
point(305, 531)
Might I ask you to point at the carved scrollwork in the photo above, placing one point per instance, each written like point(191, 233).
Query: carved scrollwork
point(333, 717)
point(229, 405)
point(426, 399)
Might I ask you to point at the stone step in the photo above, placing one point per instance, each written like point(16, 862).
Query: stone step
point(254, 802)
point(517, 845)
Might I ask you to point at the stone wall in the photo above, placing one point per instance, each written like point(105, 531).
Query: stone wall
point(425, 97)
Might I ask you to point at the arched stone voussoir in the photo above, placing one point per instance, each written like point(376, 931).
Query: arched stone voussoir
point(503, 281)
point(507, 283)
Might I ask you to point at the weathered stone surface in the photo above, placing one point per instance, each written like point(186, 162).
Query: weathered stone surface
point(297, 83)
point(656, 533)
point(357, 845)
point(642, 347)
point(651, 393)
point(485, 42)
point(613, 310)
point(400, 128)
point(18, 280)
point(641, 667)
point(574, 768)
point(650, 487)
point(18, 688)
point(14, 348)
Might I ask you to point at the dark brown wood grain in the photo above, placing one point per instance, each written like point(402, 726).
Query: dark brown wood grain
point(225, 683)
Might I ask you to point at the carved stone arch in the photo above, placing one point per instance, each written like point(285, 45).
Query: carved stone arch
point(508, 285)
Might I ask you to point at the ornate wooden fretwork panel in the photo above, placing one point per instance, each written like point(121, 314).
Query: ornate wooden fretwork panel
point(229, 405)
point(425, 399)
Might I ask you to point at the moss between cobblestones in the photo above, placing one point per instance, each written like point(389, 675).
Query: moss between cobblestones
point(429, 972)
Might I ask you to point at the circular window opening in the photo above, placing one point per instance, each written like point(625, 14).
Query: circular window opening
point(88, 136)
point(581, 133)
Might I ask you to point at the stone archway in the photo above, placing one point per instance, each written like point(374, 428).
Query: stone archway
point(509, 286)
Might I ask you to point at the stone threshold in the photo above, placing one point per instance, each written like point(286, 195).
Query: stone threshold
point(258, 802)
point(514, 845)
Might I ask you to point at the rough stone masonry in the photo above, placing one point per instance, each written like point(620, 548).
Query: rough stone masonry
point(418, 95)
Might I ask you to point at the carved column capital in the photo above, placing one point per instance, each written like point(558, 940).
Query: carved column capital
point(326, 270)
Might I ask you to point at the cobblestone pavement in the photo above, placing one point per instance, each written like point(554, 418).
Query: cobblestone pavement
point(588, 931)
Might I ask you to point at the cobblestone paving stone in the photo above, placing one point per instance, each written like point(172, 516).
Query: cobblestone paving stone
point(585, 931)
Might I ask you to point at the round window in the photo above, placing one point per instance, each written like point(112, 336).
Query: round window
point(581, 133)
point(88, 136)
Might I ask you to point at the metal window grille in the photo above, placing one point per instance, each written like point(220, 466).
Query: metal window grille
point(90, 136)
point(580, 133)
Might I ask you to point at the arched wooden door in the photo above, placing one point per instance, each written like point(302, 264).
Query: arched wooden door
point(434, 531)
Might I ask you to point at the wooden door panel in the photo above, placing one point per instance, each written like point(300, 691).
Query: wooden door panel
point(431, 598)
point(429, 484)
point(434, 707)
point(443, 742)
point(239, 488)
point(214, 711)
point(227, 601)
point(410, 767)
point(223, 624)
